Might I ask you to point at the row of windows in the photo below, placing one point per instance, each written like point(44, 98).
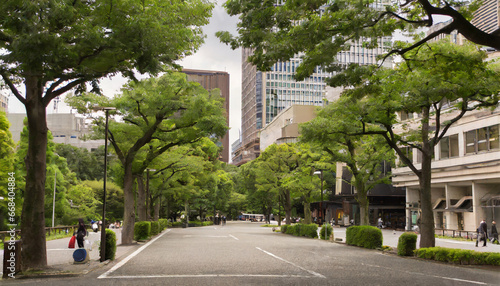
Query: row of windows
point(476, 141)
point(293, 85)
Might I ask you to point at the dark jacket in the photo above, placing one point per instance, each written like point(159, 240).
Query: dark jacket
point(483, 229)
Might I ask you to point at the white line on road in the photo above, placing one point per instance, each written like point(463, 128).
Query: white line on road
point(425, 274)
point(209, 275)
point(233, 237)
point(121, 263)
point(291, 263)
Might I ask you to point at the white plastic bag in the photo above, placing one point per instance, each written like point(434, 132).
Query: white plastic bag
point(88, 245)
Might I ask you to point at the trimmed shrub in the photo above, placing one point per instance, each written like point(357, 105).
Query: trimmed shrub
point(207, 223)
point(309, 230)
point(283, 228)
point(329, 231)
point(365, 236)
point(155, 228)
point(177, 224)
point(407, 243)
point(163, 223)
point(142, 230)
point(459, 256)
point(110, 250)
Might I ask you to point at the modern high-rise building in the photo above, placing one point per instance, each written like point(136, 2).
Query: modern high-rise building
point(487, 18)
point(266, 94)
point(211, 80)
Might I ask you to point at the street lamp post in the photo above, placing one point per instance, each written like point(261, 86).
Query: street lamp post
point(320, 173)
point(103, 226)
point(148, 201)
point(54, 200)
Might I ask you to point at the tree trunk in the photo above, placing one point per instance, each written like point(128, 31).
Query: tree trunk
point(307, 213)
point(156, 215)
point(141, 200)
point(34, 251)
point(426, 226)
point(364, 204)
point(128, 212)
point(288, 207)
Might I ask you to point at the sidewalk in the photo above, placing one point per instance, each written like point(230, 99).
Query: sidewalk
point(60, 257)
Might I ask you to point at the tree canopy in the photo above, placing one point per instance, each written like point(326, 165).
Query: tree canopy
point(156, 115)
point(319, 30)
point(55, 46)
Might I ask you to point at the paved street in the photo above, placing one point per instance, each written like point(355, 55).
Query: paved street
point(242, 253)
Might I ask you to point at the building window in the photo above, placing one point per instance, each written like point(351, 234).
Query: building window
point(449, 147)
point(482, 139)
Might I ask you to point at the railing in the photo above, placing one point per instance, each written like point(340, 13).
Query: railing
point(456, 233)
point(48, 231)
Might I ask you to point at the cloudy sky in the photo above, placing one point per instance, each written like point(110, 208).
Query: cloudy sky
point(213, 55)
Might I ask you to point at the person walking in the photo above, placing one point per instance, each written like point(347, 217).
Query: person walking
point(81, 233)
point(482, 233)
point(494, 232)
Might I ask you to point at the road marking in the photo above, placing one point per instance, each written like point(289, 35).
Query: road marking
point(209, 275)
point(233, 237)
point(291, 263)
point(425, 274)
point(121, 263)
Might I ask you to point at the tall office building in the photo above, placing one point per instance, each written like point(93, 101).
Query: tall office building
point(266, 94)
point(211, 80)
point(486, 18)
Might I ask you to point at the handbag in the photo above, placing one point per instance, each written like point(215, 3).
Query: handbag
point(72, 242)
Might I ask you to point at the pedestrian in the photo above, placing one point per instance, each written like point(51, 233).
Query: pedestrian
point(81, 232)
point(494, 232)
point(380, 223)
point(482, 233)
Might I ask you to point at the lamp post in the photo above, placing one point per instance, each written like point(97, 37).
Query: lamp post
point(320, 173)
point(54, 200)
point(103, 226)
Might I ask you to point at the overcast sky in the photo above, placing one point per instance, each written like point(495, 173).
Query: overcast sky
point(213, 55)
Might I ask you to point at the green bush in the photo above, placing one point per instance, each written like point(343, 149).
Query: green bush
point(329, 230)
point(110, 250)
point(155, 227)
point(177, 224)
point(407, 243)
point(365, 236)
point(308, 230)
point(142, 230)
point(163, 223)
point(459, 256)
point(207, 223)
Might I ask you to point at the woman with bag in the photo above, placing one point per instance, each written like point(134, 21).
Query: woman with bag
point(81, 232)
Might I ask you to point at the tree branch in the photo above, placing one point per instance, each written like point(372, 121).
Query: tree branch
point(12, 87)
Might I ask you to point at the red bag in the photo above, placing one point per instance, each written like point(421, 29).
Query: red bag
point(72, 242)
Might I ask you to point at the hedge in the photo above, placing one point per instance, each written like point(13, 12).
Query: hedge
point(299, 229)
point(142, 230)
point(459, 256)
point(407, 244)
point(155, 227)
point(110, 250)
point(329, 231)
point(365, 236)
point(163, 223)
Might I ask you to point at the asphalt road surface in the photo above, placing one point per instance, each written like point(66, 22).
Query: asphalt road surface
point(243, 253)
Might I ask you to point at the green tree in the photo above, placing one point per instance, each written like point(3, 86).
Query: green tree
point(7, 151)
point(319, 30)
point(55, 46)
point(87, 165)
point(428, 81)
point(363, 154)
point(157, 114)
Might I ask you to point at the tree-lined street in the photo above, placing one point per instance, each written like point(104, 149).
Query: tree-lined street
point(243, 253)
